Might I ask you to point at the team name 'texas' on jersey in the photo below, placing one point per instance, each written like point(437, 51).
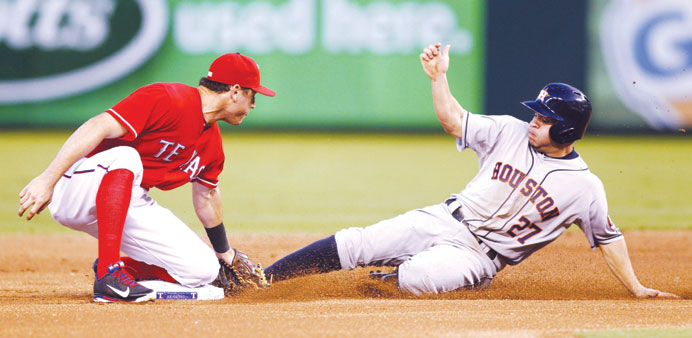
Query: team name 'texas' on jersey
point(170, 150)
point(539, 196)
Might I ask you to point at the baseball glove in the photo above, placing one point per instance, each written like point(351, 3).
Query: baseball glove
point(240, 275)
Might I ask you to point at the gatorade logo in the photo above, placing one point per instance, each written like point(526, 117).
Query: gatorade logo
point(66, 47)
point(647, 48)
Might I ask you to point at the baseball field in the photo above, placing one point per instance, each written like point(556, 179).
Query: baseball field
point(282, 191)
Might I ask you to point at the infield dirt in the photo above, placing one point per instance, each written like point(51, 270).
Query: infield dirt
point(46, 281)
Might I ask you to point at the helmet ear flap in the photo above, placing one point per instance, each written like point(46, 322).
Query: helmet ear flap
point(562, 133)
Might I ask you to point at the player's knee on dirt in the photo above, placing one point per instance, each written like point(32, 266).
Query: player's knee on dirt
point(415, 280)
point(426, 276)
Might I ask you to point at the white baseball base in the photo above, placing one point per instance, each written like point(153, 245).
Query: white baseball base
point(170, 291)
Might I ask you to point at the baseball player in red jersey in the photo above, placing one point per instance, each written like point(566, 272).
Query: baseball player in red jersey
point(530, 187)
point(163, 135)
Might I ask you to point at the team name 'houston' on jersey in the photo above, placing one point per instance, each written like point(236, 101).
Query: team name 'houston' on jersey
point(521, 200)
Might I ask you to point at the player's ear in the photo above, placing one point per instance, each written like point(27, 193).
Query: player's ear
point(235, 91)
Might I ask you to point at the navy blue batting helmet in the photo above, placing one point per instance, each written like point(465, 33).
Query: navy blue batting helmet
point(569, 107)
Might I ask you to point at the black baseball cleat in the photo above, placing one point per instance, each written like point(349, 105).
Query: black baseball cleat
point(118, 286)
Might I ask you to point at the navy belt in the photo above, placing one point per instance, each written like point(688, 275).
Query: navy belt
point(459, 216)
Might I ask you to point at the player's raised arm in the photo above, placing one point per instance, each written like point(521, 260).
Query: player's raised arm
point(615, 254)
point(39, 191)
point(435, 62)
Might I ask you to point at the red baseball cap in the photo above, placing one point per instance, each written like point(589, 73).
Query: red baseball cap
point(234, 68)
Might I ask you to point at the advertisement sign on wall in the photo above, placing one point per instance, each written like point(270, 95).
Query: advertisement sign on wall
point(647, 51)
point(58, 49)
point(334, 63)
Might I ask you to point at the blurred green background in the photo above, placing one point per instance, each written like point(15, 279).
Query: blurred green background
point(322, 182)
point(337, 64)
point(349, 66)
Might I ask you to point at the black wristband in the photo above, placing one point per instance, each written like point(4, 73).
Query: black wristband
point(217, 237)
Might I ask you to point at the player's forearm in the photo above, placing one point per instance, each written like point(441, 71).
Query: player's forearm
point(207, 204)
point(80, 143)
point(447, 108)
point(617, 258)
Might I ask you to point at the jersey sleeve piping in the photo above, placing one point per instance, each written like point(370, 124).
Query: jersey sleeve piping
point(206, 183)
point(461, 142)
point(607, 241)
point(466, 128)
point(123, 122)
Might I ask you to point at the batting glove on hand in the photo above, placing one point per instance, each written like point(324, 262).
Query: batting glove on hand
point(240, 275)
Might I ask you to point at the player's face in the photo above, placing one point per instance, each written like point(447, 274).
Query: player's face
point(539, 131)
point(240, 107)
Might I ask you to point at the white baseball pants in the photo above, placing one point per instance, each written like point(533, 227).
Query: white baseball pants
point(434, 252)
point(152, 234)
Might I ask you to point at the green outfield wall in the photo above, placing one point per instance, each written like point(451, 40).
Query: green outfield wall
point(344, 64)
point(352, 64)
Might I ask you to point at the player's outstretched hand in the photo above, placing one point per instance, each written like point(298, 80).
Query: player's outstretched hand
point(239, 274)
point(35, 197)
point(653, 293)
point(435, 61)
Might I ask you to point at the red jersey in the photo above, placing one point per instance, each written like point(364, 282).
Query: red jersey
point(165, 125)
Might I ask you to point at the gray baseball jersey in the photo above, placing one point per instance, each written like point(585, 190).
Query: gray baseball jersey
point(521, 200)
